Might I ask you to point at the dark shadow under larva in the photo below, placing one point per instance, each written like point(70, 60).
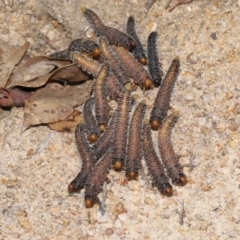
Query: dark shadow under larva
point(134, 68)
point(162, 100)
point(96, 179)
point(138, 51)
point(87, 160)
point(113, 35)
point(155, 168)
point(169, 158)
point(92, 130)
point(116, 65)
point(101, 106)
point(106, 139)
point(134, 151)
point(154, 66)
point(113, 87)
point(121, 128)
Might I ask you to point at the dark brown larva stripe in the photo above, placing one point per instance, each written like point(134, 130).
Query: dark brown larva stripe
point(60, 55)
point(162, 100)
point(134, 68)
point(106, 139)
point(87, 160)
point(153, 59)
point(111, 57)
point(155, 168)
point(134, 151)
point(169, 158)
point(101, 106)
point(113, 87)
point(121, 129)
point(138, 51)
point(92, 130)
point(84, 46)
point(113, 35)
point(96, 179)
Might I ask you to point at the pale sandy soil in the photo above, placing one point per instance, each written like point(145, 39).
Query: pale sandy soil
point(34, 202)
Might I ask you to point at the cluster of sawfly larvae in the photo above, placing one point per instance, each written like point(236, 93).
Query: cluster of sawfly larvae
point(109, 138)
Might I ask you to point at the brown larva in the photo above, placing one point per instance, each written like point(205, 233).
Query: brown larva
point(101, 106)
point(134, 68)
point(121, 129)
point(113, 87)
point(87, 157)
point(111, 57)
point(96, 179)
point(138, 51)
point(113, 35)
point(169, 158)
point(155, 168)
point(154, 66)
point(88, 47)
point(134, 151)
point(85, 46)
point(162, 100)
point(92, 130)
point(106, 139)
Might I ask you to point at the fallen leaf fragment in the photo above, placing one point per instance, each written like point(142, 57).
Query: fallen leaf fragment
point(54, 103)
point(13, 97)
point(9, 57)
point(71, 73)
point(35, 72)
point(69, 124)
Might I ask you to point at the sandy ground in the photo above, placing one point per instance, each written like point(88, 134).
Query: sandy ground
point(37, 166)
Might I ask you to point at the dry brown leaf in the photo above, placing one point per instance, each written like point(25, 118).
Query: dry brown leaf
point(9, 57)
point(69, 124)
point(54, 103)
point(35, 72)
point(71, 73)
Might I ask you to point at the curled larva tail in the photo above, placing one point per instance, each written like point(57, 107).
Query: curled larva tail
point(169, 158)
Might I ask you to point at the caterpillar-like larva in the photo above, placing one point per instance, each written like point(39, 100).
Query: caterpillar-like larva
point(162, 100)
point(96, 179)
point(134, 149)
point(154, 66)
point(88, 47)
point(106, 139)
point(87, 160)
point(138, 51)
point(169, 158)
point(92, 130)
point(113, 35)
point(113, 87)
point(155, 167)
point(134, 68)
point(60, 55)
point(121, 128)
point(111, 57)
point(101, 105)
